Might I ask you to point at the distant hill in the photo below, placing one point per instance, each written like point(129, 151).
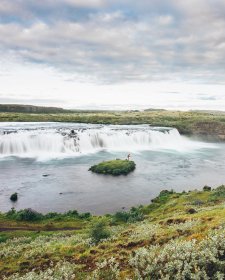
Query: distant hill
point(154, 110)
point(214, 112)
point(15, 108)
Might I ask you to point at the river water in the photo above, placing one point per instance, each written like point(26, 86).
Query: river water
point(47, 165)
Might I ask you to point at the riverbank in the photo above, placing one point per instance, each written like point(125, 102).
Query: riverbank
point(186, 225)
point(209, 126)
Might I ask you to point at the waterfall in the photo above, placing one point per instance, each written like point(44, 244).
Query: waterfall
point(81, 140)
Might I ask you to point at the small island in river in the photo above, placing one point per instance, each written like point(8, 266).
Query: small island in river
point(114, 167)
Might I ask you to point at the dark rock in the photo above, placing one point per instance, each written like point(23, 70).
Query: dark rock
point(207, 189)
point(191, 211)
point(94, 252)
point(198, 202)
point(175, 221)
point(14, 197)
point(46, 175)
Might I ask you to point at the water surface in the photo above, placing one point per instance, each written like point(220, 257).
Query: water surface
point(64, 153)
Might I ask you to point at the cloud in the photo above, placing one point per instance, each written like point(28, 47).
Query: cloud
point(207, 97)
point(119, 41)
point(84, 3)
point(165, 20)
point(16, 100)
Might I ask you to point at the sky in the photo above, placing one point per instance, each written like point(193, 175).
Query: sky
point(111, 54)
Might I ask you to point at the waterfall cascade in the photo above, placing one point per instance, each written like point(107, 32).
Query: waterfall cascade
point(75, 141)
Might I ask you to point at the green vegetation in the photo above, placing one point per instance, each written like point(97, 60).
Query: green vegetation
point(14, 197)
point(114, 167)
point(210, 125)
point(162, 240)
point(135, 214)
point(15, 108)
point(32, 215)
point(207, 188)
point(99, 232)
point(219, 194)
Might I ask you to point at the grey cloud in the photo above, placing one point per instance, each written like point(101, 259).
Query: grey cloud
point(203, 96)
point(177, 40)
point(84, 3)
point(210, 98)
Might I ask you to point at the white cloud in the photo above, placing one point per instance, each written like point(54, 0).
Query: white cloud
point(118, 50)
point(84, 3)
point(165, 19)
point(42, 85)
point(111, 46)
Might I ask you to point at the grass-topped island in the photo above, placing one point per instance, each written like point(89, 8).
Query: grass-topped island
point(114, 167)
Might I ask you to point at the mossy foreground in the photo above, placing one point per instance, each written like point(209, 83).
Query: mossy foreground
point(178, 236)
point(114, 167)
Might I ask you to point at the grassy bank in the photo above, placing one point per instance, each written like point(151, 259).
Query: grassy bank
point(204, 124)
point(177, 234)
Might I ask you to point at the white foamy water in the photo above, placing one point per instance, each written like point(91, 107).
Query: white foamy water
point(59, 140)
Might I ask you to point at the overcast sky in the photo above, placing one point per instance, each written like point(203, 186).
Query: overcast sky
point(113, 53)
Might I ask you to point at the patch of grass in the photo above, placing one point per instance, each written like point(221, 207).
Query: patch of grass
point(114, 167)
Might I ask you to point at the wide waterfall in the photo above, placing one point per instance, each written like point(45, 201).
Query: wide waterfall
point(47, 165)
point(69, 140)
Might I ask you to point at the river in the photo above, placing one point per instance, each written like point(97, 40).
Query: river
point(47, 165)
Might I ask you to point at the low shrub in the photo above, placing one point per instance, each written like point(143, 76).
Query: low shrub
point(135, 214)
point(29, 215)
point(24, 215)
point(218, 193)
point(182, 259)
point(163, 196)
point(85, 216)
point(99, 231)
point(52, 215)
point(121, 216)
point(72, 213)
point(3, 238)
point(32, 215)
point(207, 189)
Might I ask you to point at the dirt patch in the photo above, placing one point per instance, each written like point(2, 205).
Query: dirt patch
point(132, 244)
point(3, 229)
point(173, 221)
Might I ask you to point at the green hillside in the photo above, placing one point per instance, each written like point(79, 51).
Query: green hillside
point(15, 108)
point(177, 236)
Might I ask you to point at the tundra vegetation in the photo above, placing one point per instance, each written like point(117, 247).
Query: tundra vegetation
point(177, 236)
